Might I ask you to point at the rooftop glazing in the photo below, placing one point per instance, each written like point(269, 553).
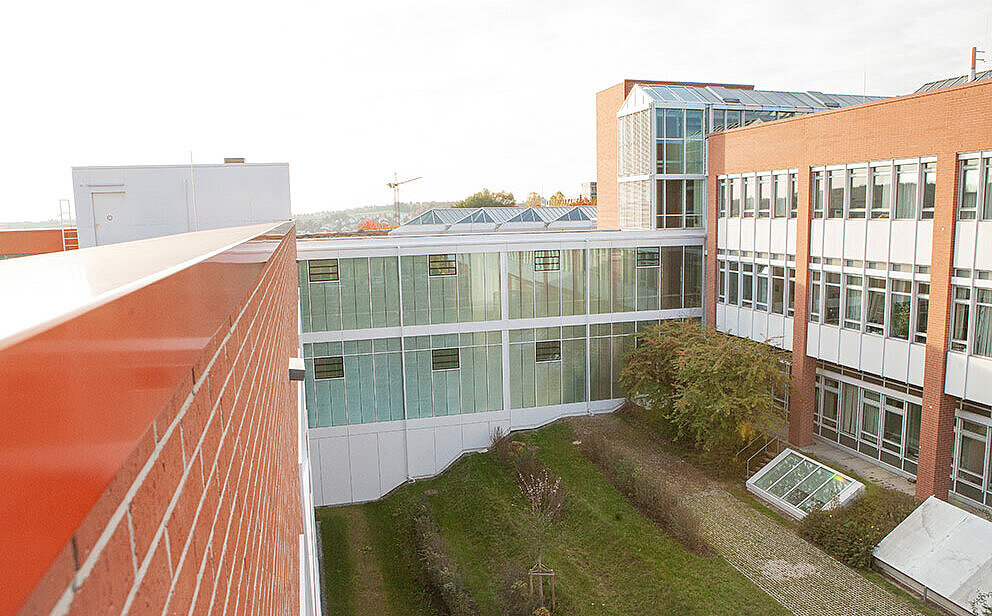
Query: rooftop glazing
point(718, 95)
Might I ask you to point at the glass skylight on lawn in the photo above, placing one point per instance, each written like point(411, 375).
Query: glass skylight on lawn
point(798, 485)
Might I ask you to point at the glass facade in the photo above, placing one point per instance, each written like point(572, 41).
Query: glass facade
point(972, 471)
point(875, 422)
point(402, 376)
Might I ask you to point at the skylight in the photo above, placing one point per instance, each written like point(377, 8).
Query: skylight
point(798, 485)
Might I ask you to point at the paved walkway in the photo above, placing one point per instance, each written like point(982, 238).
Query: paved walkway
point(793, 572)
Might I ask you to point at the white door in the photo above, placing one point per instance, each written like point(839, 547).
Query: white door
point(108, 218)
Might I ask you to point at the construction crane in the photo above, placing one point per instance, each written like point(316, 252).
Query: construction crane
point(395, 185)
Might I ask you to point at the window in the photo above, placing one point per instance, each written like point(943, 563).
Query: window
point(328, 368)
point(441, 265)
point(818, 187)
point(722, 198)
point(547, 260)
point(922, 311)
point(749, 194)
point(794, 200)
point(721, 276)
point(987, 207)
point(695, 197)
point(983, 323)
point(858, 191)
point(828, 410)
point(959, 318)
point(323, 270)
point(892, 426)
point(831, 297)
point(673, 124)
point(792, 292)
point(900, 305)
point(852, 301)
point(870, 407)
point(444, 359)
point(674, 156)
point(781, 196)
point(848, 420)
point(814, 297)
point(907, 177)
point(735, 198)
point(747, 284)
point(835, 196)
point(764, 196)
point(778, 290)
point(875, 320)
point(968, 207)
point(719, 120)
point(761, 294)
point(733, 118)
point(733, 283)
point(914, 415)
point(929, 190)
point(881, 192)
point(648, 256)
point(547, 351)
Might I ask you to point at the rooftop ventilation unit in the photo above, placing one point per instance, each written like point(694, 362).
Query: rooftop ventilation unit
point(234, 161)
point(832, 104)
point(731, 99)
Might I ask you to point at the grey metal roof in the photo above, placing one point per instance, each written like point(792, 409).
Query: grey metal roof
point(953, 81)
point(719, 95)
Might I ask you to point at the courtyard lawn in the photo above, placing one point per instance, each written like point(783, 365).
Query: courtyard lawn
point(609, 559)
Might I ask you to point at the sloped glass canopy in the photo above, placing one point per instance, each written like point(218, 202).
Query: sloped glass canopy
point(797, 485)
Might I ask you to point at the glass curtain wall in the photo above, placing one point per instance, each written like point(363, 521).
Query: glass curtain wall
point(453, 374)
point(358, 293)
point(546, 283)
point(450, 288)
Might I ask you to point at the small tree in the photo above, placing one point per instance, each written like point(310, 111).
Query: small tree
point(485, 198)
point(557, 199)
point(545, 493)
point(716, 390)
point(533, 200)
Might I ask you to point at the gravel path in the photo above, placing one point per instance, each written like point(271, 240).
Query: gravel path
point(802, 578)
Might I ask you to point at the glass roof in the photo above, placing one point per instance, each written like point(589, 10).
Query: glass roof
point(953, 81)
point(719, 95)
point(538, 217)
point(799, 485)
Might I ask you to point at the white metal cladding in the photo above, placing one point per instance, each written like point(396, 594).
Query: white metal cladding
point(635, 143)
point(635, 204)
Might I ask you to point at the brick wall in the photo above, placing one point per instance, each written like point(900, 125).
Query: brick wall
point(204, 516)
point(941, 123)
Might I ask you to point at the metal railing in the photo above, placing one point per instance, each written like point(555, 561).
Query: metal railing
point(772, 442)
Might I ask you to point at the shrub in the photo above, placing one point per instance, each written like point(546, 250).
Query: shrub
point(851, 533)
point(657, 503)
point(442, 577)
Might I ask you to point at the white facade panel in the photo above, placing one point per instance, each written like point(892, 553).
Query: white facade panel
point(917, 364)
point(816, 238)
point(733, 237)
point(779, 236)
point(855, 235)
point(903, 242)
point(979, 380)
point(117, 204)
point(788, 333)
point(721, 233)
point(833, 239)
point(964, 244)
point(332, 479)
point(791, 226)
point(392, 465)
point(983, 245)
point(877, 246)
point(747, 234)
point(850, 348)
point(812, 340)
point(420, 448)
point(872, 352)
point(775, 333)
point(762, 235)
point(829, 343)
point(759, 325)
point(364, 461)
point(896, 363)
point(957, 370)
point(924, 242)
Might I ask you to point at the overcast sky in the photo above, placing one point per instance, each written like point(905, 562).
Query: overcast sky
point(468, 94)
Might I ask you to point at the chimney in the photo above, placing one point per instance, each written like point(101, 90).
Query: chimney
point(234, 161)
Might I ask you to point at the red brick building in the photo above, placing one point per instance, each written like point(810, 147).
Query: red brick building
point(860, 239)
point(154, 457)
point(26, 242)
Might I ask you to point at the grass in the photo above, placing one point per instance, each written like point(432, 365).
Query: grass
point(337, 560)
point(609, 559)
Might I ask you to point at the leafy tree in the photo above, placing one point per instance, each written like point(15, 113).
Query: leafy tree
point(484, 198)
point(715, 390)
point(533, 200)
point(557, 199)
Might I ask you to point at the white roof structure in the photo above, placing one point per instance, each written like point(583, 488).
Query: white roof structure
point(942, 552)
point(489, 219)
point(797, 485)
